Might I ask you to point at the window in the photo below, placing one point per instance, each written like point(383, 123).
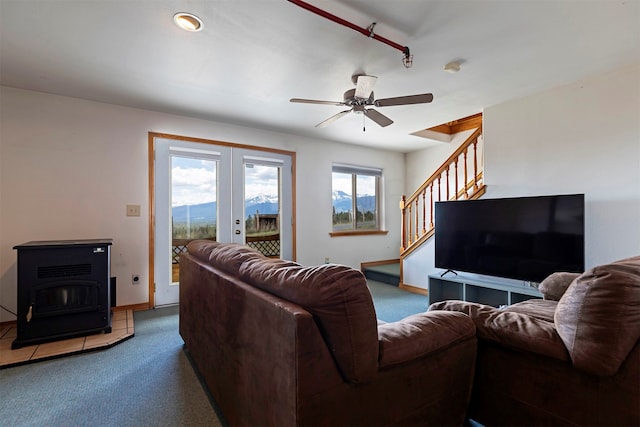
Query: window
point(359, 214)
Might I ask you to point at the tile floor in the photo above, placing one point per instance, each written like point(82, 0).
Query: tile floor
point(122, 328)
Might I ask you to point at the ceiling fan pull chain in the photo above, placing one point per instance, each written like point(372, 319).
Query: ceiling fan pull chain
point(364, 123)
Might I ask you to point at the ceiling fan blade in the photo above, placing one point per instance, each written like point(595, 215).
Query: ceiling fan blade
point(364, 86)
point(332, 118)
point(313, 101)
point(378, 117)
point(405, 100)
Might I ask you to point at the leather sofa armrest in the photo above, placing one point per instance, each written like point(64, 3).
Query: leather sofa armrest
point(421, 334)
point(510, 329)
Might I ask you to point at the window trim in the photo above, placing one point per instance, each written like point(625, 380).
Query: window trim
point(354, 170)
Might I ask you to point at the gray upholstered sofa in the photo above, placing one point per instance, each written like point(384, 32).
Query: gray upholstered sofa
point(572, 358)
point(279, 344)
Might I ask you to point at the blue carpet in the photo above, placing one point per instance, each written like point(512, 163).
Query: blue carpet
point(145, 381)
point(393, 304)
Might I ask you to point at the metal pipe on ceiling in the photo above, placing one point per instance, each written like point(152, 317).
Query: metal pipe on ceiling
point(365, 31)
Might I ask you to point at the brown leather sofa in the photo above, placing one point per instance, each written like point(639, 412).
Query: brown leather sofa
point(279, 344)
point(572, 358)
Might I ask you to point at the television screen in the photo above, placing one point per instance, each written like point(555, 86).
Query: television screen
point(523, 238)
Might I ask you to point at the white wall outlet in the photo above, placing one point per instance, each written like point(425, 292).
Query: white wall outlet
point(135, 279)
point(133, 210)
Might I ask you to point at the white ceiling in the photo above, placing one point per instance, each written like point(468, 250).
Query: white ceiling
point(254, 55)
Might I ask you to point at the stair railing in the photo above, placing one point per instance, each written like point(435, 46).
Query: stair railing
point(417, 211)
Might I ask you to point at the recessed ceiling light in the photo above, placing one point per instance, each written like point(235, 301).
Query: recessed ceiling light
point(188, 21)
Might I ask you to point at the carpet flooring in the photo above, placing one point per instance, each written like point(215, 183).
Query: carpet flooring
point(145, 381)
point(393, 304)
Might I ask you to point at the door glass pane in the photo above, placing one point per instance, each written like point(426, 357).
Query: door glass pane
point(193, 204)
point(262, 208)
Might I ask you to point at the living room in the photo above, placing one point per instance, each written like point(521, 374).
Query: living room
point(70, 166)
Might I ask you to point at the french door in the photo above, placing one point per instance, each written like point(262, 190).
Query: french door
point(217, 192)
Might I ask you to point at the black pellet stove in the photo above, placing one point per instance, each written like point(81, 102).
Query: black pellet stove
point(63, 290)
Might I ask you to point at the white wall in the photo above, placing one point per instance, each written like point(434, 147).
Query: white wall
point(579, 138)
point(69, 167)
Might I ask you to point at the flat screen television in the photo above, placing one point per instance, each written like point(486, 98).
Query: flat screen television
point(523, 238)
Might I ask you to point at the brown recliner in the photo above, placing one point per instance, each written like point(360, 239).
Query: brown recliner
point(572, 358)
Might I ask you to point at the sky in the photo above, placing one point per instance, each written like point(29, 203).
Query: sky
point(194, 181)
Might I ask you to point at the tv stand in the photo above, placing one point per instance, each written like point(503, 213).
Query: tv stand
point(490, 291)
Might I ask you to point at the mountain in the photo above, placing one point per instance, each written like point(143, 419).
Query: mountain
point(202, 213)
point(265, 204)
point(342, 202)
point(206, 212)
point(261, 198)
point(340, 195)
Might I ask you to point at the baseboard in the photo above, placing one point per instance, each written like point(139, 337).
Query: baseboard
point(135, 307)
point(8, 323)
point(364, 265)
point(414, 289)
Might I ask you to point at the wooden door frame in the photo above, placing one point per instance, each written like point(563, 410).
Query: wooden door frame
point(152, 215)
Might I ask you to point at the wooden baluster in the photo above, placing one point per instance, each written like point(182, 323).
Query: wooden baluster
point(447, 181)
point(439, 188)
point(424, 211)
point(431, 204)
point(403, 231)
point(466, 175)
point(455, 166)
point(409, 232)
point(475, 164)
point(417, 220)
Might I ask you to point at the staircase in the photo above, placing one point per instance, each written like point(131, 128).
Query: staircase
point(459, 177)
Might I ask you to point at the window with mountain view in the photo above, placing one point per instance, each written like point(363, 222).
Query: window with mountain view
point(356, 198)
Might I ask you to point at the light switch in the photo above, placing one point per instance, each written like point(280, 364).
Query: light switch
point(133, 210)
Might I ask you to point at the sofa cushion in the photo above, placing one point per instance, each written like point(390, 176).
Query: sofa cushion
point(555, 285)
point(421, 334)
point(338, 298)
point(598, 317)
point(540, 309)
point(511, 328)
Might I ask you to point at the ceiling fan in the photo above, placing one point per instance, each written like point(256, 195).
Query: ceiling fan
point(361, 97)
